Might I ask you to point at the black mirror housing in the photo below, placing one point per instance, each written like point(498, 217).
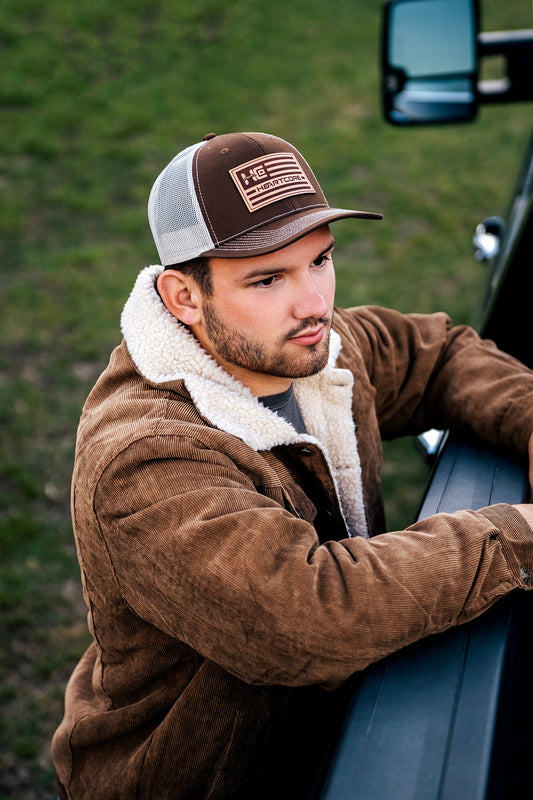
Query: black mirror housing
point(431, 56)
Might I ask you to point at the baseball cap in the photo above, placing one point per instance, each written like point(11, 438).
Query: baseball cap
point(237, 195)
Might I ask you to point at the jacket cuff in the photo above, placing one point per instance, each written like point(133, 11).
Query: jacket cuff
point(516, 540)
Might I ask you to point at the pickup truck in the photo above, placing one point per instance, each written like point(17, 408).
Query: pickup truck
point(449, 718)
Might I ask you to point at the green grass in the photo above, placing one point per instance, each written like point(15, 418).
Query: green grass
point(95, 100)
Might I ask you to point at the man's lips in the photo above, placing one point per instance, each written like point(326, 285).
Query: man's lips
point(309, 336)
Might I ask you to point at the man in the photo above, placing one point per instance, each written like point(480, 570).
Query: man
point(226, 492)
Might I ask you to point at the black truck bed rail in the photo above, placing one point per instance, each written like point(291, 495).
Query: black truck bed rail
point(447, 718)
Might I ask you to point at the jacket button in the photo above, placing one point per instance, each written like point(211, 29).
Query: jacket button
point(525, 574)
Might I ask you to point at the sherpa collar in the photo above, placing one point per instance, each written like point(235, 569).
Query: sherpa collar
point(164, 350)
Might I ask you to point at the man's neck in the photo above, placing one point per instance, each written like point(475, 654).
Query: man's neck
point(261, 385)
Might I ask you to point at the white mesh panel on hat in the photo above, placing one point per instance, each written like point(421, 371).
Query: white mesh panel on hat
point(176, 220)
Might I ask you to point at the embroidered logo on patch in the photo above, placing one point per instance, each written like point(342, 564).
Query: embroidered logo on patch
point(270, 178)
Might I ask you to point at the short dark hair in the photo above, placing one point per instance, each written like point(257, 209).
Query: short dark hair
point(200, 271)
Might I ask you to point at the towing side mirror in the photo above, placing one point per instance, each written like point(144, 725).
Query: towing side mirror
point(431, 54)
point(430, 61)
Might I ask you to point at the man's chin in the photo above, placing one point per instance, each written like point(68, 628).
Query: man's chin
point(312, 366)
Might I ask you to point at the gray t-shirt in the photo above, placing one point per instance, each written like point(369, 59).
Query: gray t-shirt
point(286, 405)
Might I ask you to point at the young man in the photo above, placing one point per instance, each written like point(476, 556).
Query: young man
point(226, 492)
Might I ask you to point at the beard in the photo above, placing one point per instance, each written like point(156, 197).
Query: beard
point(235, 348)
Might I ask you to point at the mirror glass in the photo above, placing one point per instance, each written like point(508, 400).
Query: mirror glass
point(430, 55)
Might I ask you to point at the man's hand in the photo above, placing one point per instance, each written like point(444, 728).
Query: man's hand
point(526, 509)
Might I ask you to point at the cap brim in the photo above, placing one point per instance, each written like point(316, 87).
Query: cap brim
point(275, 235)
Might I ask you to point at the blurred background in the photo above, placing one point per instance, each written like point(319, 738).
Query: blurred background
point(95, 99)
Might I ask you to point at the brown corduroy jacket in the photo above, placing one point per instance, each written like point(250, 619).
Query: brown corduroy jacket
point(232, 568)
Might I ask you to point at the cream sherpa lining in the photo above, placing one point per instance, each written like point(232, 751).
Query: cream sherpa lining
point(164, 350)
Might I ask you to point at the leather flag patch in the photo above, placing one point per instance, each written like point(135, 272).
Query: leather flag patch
point(270, 178)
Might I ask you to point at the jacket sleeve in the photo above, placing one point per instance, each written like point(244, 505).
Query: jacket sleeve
point(427, 373)
point(202, 555)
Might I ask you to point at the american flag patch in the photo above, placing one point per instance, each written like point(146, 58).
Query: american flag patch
point(270, 178)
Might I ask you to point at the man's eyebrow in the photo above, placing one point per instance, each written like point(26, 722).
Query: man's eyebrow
point(257, 273)
point(327, 249)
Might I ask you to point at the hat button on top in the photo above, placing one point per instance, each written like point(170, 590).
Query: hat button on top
point(209, 136)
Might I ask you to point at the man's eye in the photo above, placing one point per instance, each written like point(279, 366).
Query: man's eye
point(265, 282)
point(321, 261)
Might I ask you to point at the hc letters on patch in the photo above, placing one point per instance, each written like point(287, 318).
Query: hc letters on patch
point(270, 178)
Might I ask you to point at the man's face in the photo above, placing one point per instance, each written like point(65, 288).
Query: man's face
point(268, 318)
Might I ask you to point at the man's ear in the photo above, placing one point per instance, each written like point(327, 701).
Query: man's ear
point(180, 294)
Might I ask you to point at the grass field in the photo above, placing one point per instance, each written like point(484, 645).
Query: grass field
point(95, 100)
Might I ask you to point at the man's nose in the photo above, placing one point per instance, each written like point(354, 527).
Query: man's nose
point(310, 301)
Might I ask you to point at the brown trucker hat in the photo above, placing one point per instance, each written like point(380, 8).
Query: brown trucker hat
point(237, 195)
